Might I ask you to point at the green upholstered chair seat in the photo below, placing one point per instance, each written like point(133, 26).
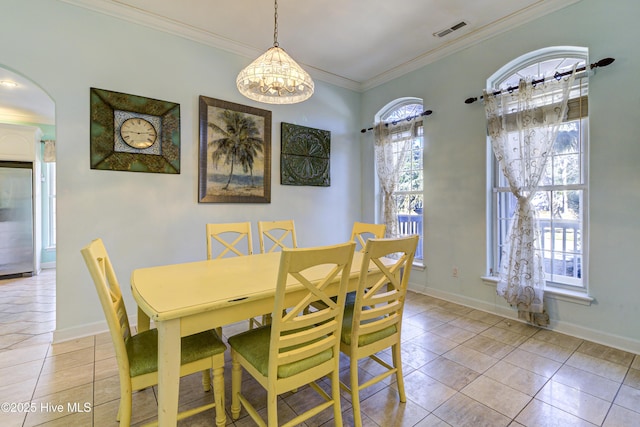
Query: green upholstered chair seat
point(347, 326)
point(142, 350)
point(253, 345)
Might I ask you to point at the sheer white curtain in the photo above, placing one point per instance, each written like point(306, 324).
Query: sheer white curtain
point(523, 125)
point(49, 154)
point(391, 151)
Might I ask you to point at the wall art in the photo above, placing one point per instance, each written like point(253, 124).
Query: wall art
point(235, 153)
point(134, 133)
point(305, 156)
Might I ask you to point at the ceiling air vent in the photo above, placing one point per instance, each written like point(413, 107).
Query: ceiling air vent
point(451, 29)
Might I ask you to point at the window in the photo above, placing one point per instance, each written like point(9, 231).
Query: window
point(409, 194)
point(51, 218)
point(562, 197)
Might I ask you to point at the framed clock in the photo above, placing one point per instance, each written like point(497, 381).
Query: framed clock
point(134, 133)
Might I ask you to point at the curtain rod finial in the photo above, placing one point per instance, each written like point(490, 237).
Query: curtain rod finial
point(470, 100)
point(603, 62)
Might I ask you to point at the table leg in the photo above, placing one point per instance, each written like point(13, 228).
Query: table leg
point(144, 322)
point(168, 371)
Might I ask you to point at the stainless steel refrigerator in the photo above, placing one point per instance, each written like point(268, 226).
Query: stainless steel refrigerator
point(16, 218)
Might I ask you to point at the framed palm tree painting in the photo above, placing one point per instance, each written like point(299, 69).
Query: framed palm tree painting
point(235, 153)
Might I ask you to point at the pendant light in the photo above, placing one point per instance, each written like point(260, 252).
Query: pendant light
point(274, 77)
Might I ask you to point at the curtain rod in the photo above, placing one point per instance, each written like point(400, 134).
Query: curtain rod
point(409, 118)
point(602, 63)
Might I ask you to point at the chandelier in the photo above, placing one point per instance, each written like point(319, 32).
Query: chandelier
point(274, 77)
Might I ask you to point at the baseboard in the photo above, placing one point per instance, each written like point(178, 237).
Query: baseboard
point(48, 265)
point(83, 331)
point(600, 337)
point(77, 332)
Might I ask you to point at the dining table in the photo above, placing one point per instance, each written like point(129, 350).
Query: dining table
point(187, 298)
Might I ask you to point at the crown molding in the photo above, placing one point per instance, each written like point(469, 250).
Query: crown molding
point(131, 14)
point(137, 16)
point(523, 16)
point(141, 17)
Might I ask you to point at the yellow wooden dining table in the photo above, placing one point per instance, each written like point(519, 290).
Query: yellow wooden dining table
point(183, 299)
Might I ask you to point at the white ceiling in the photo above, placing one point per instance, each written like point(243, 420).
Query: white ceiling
point(356, 44)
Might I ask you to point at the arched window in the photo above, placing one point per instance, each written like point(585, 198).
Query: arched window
point(408, 140)
point(562, 197)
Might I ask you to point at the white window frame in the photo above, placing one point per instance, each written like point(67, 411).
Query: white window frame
point(564, 285)
point(387, 115)
point(51, 199)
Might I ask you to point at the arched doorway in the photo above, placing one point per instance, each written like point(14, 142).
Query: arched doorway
point(27, 301)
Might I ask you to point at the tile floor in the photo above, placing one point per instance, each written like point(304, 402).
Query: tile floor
point(463, 367)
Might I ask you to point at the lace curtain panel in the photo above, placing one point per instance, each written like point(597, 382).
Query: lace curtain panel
point(523, 126)
point(49, 154)
point(391, 151)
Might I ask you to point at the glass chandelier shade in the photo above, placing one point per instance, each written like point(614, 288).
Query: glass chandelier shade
point(274, 77)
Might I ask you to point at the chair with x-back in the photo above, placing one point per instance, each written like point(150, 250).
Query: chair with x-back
point(230, 239)
point(362, 231)
point(137, 355)
point(302, 344)
point(374, 322)
point(276, 235)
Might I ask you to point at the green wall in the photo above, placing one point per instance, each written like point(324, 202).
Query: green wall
point(149, 219)
point(455, 166)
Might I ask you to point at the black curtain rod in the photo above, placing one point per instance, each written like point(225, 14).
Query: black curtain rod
point(602, 63)
point(409, 118)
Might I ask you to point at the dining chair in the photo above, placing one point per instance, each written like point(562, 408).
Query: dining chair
point(137, 355)
point(226, 239)
point(276, 235)
point(362, 231)
point(302, 344)
point(373, 322)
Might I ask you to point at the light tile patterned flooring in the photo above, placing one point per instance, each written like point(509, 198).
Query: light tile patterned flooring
point(462, 367)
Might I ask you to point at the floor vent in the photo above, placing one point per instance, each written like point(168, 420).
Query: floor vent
point(451, 29)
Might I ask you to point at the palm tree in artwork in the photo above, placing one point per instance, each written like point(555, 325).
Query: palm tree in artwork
point(240, 143)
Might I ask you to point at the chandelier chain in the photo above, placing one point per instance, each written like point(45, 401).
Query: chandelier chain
point(275, 26)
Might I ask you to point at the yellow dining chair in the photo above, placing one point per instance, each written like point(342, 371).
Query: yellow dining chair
point(137, 355)
point(373, 323)
point(227, 239)
point(362, 231)
point(230, 239)
point(302, 344)
point(276, 235)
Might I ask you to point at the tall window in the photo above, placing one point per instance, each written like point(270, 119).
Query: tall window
point(561, 200)
point(408, 149)
point(51, 186)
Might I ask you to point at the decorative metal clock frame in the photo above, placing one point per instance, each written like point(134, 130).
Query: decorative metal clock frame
point(111, 150)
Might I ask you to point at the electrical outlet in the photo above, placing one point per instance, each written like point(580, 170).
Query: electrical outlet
point(454, 272)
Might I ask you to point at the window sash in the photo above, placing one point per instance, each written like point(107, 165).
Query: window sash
point(577, 110)
point(51, 181)
point(502, 219)
point(408, 199)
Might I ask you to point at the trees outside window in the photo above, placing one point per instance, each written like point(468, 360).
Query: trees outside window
point(562, 198)
point(408, 148)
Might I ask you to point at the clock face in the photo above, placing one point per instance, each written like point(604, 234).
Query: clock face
point(138, 133)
